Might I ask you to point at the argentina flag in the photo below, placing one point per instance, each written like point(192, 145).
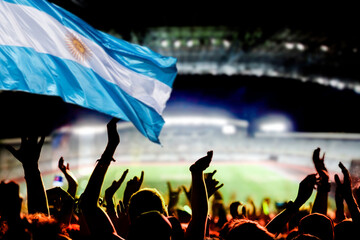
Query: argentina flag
point(45, 49)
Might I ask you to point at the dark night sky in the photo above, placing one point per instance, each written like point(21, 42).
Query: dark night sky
point(311, 106)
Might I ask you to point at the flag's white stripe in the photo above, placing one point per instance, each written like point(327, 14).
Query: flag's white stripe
point(28, 27)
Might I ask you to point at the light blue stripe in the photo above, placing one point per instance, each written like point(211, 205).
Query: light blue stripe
point(27, 70)
point(135, 57)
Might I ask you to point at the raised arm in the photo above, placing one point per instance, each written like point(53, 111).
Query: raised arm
point(323, 184)
point(132, 186)
point(199, 199)
point(173, 199)
point(339, 201)
point(28, 154)
point(71, 179)
point(93, 188)
point(306, 187)
point(110, 191)
point(345, 189)
point(110, 207)
point(212, 185)
point(95, 219)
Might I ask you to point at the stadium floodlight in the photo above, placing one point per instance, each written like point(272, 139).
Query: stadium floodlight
point(324, 48)
point(289, 45)
point(184, 120)
point(228, 129)
point(165, 43)
point(88, 130)
point(357, 88)
point(202, 121)
point(300, 46)
point(273, 127)
point(274, 124)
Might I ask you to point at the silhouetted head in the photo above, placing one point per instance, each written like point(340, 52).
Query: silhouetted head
point(150, 225)
point(44, 227)
point(247, 230)
point(145, 200)
point(346, 230)
point(318, 225)
point(10, 202)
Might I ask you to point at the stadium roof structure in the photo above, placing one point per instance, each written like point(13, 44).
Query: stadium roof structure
point(304, 40)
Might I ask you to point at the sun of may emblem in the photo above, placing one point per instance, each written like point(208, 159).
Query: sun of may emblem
point(77, 47)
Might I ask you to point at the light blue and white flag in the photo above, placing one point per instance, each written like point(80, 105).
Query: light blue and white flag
point(45, 49)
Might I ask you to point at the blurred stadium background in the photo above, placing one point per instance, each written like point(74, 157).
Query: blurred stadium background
point(260, 85)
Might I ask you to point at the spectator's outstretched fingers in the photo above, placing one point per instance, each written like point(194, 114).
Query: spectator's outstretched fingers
point(28, 154)
point(70, 177)
point(199, 199)
point(110, 191)
point(173, 198)
point(211, 183)
point(132, 186)
point(345, 189)
point(323, 184)
point(113, 140)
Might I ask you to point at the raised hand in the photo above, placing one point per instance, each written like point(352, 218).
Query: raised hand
point(28, 154)
point(110, 191)
point(113, 139)
point(132, 186)
point(203, 163)
point(122, 223)
point(306, 187)
point(339, 201)
point(345, 189)
point(62, 166)
point(95, 217)
point(61, 203)
point(198, 199)
point(187, 192)
point(72, 182)
point(323, 184)
point(320, 165)
point(110, 208)
point(211, 183)
point(173, 197)
point(29, 151)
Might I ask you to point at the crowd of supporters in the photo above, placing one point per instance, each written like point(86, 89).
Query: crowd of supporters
point(142, 213)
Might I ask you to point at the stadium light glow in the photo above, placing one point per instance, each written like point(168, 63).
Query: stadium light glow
point(226, 43)
point(300, 46)
point(184, 120)
point(324, 48)
point(164, 43)
point(197, 120)
point(337, 84)
point(190, 43)
point(322, 81)
point(177, 44)
point(357, 88)
point(274, 124)
point(289, 45)
point(88, 130)
point(228, 129)
point(273, 127)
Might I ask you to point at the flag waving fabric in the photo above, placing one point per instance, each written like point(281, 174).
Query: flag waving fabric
point(45, 49)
